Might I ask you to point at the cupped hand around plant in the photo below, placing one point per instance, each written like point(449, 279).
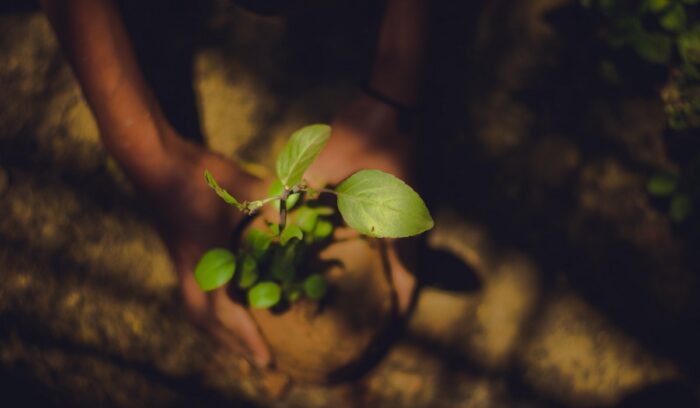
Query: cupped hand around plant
point(192, 220)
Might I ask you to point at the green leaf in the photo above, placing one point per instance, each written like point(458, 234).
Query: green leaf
point(662, 184)
point(264, 295)
point(276, 188)
point(323, 230)
point(681, 207)
point(258, 242)
point(300, 151)
point(306, 217)
point(290, 231)
point(689, 46)
point(380, 205)
point(625, 30)
point(674, 19)
point(654, 47)
point(220, 191)
point(294, 294)
point(315, 287)
point(283, 261)
point(214, 269)
point(248, 272)
point(657, 5)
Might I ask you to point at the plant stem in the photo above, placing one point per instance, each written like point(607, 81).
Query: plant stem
point(283, 208)
point(322, 190)
point(268, 199)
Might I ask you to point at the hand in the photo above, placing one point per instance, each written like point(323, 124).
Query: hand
point(192, 219)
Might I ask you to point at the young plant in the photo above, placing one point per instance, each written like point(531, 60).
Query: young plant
point(265, 268)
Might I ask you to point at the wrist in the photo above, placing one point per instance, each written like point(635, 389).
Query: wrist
point(396, 78)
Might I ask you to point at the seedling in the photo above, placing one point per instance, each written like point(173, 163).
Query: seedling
point(269, 265)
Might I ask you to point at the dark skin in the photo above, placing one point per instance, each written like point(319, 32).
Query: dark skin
point(167, 170)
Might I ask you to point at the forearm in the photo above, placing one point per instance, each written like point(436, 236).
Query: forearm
point(400, 48)
point(131, 123)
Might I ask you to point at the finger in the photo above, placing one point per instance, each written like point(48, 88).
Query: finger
point(236, 320)
point(404, 281)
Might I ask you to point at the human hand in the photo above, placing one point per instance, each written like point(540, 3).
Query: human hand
point(191, 220)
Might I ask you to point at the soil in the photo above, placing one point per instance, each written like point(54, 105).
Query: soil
point(333, 340)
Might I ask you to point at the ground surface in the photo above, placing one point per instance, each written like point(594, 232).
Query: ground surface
point(575, 289)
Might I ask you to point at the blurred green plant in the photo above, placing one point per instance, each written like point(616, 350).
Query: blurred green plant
point(661, 32)
point(668, 185)
point(268, 264)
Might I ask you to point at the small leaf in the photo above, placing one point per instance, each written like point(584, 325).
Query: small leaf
point(248, 272)
point(220, 191)
point(290, 231)
point(264, 295)
point(300, 151)
point(276, 189)
point(662, 184)
point(380, 205)
point(306, 217)
point(282, 265)
point(294, 294)
point(657, 5)
point(323, 230)
point(674, 19)
point(258, 242)
point(689, 46)
point(214, 269)
point(681, 207)
point(315, 287)
point(654, 47)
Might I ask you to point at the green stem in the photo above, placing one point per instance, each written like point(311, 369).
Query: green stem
point(322, 190)
point(273, 198)
point(283, 208)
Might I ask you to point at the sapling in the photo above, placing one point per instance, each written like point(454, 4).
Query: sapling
point(267, 264)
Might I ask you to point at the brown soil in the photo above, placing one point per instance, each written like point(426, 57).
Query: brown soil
point(324, 342)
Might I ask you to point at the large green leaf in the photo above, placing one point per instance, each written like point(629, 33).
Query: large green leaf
point(264, 295)
point(214, 269)
point(220, 191)
point(380, 205)
point(300, 151)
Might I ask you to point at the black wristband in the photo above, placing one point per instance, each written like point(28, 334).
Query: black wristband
point(405, 112)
